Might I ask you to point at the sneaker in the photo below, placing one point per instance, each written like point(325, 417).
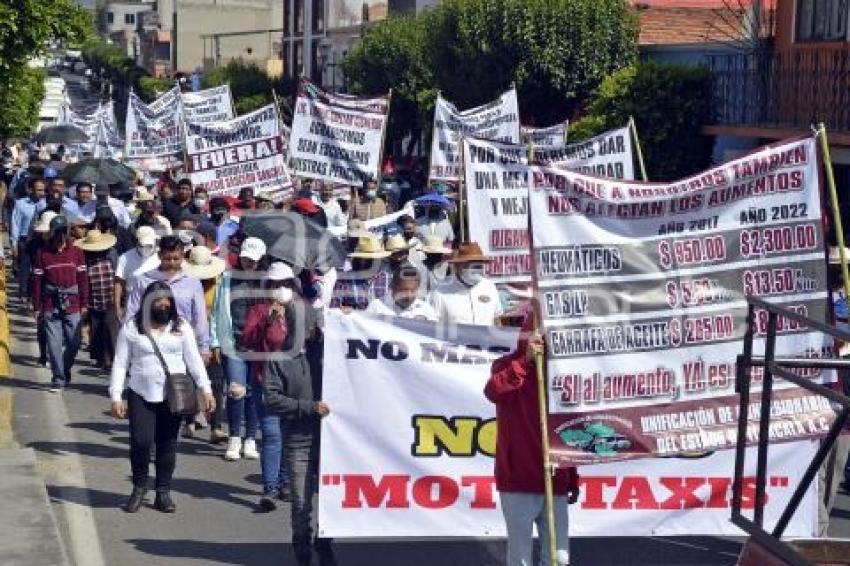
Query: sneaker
point(249, 449)
point(55, 388)
point(217, 436)
point(189, 430)
point(267, 502)
point(285, 493)
point(563, 558)
point(234, 447)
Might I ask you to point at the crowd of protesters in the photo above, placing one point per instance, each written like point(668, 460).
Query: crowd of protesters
point(156, 277)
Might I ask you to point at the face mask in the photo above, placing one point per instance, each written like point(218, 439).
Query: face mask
point(434, 213)
point(200, 202)
point(161, 315)
point(471, 276)
point(371, 195)
point(282, 295)
point(146, 251)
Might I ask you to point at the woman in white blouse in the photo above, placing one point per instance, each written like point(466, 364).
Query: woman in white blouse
point(151, 420)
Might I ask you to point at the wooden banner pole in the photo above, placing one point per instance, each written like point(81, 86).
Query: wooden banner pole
point(633, 129)
point(540, 364)
point(833, 200)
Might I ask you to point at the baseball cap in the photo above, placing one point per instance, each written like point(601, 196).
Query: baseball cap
point(253, 248)
point(146, 236)
point(279, 271)
point(58, 223)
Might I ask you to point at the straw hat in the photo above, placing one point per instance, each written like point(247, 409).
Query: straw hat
point(43, 224)
point(355, 228)
point(369, 247)
point(468, 252)
point(203, 264)
point(143, 195)
point(96, 241)
point(433, 244)
point(396, 243)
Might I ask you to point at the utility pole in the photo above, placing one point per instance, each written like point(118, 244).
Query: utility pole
point(174, 37)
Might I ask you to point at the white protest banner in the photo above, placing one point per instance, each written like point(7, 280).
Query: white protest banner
point(154, 133)
point(609, 154)
point(210, 105)
point(498, 120)
point(223, 157)
point(334, 138)
point(643, 295)
point(553, 137)
point(497, 182)
point(407, 450)
point(107, 143)
point(379, 225)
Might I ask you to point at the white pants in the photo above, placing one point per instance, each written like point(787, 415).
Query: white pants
point(521, 510)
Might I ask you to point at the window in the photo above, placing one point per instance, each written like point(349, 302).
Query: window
point(318, 16)
point(299, 59)
point(822, 20)
point(130, 19)
point(287, 11)
point(299, 17)
point(110, 18)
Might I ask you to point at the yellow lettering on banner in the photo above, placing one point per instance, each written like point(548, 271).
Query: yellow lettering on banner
point(435, 435)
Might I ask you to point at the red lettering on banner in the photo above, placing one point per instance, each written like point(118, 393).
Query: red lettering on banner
point(594, 491)
point(401, 491)
point(682, 494)
point(423, 492)
point(362, 487)
point(719, 491)
point(483, 494)
point(635, 493)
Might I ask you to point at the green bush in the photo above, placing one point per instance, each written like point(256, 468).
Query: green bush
point(250, 85)
point(151, 87)
point(21, 95)
point(669, 103)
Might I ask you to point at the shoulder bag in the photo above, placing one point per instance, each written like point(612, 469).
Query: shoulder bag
point(180, 391)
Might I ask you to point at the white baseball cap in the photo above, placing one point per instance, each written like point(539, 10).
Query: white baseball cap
point(279, 271)
point(253, 248)
point(146, 236)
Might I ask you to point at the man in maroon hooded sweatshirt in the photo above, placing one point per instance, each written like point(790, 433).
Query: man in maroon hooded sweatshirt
point(519, 456)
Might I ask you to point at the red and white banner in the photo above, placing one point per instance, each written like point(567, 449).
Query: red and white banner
point(223, 157)
point(643, 293)
point(407, 450)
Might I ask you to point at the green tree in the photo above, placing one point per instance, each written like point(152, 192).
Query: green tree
point(670, 104)
point(555, 52)
point(251, 86)
point(27, 27)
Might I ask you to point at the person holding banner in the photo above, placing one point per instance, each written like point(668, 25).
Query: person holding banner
point(368, 204)
point(403, 300)
point(512, 387)
point(294, 392)
point(468, 297)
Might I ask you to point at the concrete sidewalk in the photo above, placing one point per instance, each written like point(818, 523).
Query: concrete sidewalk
point(29, 535)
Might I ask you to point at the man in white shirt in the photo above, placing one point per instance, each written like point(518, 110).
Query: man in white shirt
point(333, 212)
point(135, 262)
point(403, 299)
point(469, 297)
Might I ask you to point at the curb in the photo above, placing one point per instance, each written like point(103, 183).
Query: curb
point(5, 346)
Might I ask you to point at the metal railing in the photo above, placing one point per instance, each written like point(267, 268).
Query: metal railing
point(779, 367)
point(782, 90)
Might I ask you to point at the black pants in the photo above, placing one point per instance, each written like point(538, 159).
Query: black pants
point(100, 336)
point(152, 423)
point(217, 380)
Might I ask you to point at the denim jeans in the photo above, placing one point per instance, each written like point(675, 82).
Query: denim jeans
point(271, 452)
point(63, 342)
point(301, 462)
point(240, 406)
point(521, 510)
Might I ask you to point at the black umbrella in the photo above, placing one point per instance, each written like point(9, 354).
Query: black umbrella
point(295, 239)
point(66, 134)
point(100, 172)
